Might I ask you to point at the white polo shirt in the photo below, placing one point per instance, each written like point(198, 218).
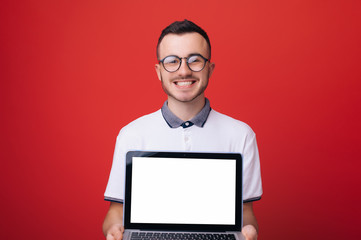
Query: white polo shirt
point(209, 131)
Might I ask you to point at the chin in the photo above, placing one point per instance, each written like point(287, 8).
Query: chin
point(186, 99)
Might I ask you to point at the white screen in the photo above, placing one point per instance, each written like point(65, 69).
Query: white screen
point(183, 191)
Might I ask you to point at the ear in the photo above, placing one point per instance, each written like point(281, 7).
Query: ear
point(211, 68)
point(157, 70)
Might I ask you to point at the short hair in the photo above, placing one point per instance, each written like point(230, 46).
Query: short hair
point(180, 27)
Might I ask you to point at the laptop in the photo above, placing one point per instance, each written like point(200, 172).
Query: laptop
point(183, 195)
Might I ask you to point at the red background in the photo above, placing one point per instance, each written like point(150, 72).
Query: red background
point(74, 72)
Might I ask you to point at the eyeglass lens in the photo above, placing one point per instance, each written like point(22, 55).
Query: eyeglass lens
point(195, 63)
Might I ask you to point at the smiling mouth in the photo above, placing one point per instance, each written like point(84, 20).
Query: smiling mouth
point(184, 83)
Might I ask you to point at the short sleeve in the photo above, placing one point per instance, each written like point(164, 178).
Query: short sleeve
point(115, 188)
point(252, 183)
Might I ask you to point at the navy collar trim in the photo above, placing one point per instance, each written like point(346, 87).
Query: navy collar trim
point(174, 122)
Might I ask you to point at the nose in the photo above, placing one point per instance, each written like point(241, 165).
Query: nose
point(184, 69)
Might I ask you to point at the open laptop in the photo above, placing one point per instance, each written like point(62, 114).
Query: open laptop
point(183, 195)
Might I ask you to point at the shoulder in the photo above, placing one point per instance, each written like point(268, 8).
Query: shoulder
point(220, 120)
point(146, 120)
point(143, 122)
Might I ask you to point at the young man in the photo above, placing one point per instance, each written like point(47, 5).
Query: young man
point(185, 123)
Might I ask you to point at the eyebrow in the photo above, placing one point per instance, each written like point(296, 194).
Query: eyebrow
point(186, 56)
point(208, 59)
point(194, 54)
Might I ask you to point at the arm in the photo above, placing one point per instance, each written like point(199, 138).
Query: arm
point(113, 222)
point(250, 225)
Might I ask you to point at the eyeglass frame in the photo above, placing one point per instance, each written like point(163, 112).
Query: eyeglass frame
point(180, 64)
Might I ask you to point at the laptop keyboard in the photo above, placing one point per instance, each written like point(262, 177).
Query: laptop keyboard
point(180, 236)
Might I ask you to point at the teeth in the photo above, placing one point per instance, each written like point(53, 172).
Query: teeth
point(184, 83)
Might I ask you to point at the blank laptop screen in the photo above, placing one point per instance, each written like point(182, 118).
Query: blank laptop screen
point(183, 191)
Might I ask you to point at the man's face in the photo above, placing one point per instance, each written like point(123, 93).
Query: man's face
point(184, 85)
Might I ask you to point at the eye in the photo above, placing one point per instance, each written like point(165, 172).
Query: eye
point(171, 60)
point(195, 59)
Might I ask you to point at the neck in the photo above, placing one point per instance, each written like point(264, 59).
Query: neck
point(186, 110)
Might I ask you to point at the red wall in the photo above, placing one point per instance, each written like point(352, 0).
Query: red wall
point(73, 73)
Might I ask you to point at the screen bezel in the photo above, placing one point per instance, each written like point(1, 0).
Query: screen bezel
point(184, 227)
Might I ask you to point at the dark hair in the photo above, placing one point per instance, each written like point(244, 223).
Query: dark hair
point(180, 27)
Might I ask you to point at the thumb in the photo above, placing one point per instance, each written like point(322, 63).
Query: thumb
point(249, 232)
point(110, 237)
point(114, 236)
point(115, 233)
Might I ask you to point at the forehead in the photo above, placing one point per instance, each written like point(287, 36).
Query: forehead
point(182, 45)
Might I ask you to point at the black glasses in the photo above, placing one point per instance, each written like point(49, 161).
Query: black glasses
point(195, 62)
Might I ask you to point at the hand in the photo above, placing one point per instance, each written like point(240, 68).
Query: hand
point(249, 232)
point(115, 232)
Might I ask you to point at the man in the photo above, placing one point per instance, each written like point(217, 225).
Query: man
point(185, 123)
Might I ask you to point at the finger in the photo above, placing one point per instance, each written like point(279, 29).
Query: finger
point(110, 237)
point(118, 235)
point(249, 232)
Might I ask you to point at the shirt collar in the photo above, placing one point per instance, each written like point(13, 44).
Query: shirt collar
point(174, 122)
